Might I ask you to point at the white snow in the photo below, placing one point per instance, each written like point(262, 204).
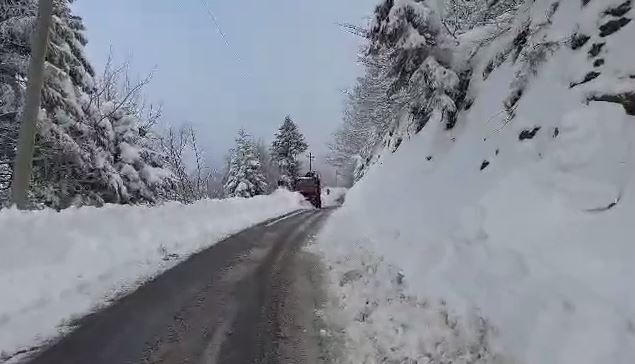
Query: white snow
point(333, 196)
point(153, 175)
point(539, 243)
point(57, 266)
point(129, 171)
point(422, 13)
point(129, 153)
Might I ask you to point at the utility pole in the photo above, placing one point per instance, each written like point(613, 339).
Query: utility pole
point(24, 157)
point(311, 158)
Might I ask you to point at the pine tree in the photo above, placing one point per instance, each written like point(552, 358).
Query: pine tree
point(127, 167)
point(408, 82)
point(78, 145)
point(60, 159)
point(245, 177)
point(287, 145)
point(410, 32)
point(462, 15)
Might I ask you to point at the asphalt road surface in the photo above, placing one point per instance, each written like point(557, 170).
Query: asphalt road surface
point(248, 299)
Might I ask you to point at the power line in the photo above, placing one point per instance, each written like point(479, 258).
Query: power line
point(209, 11)
point(220, 31)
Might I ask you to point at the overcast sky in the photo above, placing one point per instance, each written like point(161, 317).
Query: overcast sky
point(284, 57)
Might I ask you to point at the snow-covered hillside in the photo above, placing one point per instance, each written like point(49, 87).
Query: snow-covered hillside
point(508, 238)
point(57, 266)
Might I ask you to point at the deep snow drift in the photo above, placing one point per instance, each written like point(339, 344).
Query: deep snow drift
point(525, 222)
point(56, 267)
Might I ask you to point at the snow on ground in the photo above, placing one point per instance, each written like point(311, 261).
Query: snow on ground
point(333, 196)
point(497, 248)
point(58, 266)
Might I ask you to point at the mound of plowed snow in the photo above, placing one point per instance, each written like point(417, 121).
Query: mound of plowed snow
point(57, 266)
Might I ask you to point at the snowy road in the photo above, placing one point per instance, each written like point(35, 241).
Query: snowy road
point(248, 299)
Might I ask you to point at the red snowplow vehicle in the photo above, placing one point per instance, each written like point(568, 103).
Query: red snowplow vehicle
point(309, 187)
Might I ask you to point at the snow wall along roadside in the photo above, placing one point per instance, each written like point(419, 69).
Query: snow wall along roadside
point(333, 196)
point(534, 235)
point(57, 266)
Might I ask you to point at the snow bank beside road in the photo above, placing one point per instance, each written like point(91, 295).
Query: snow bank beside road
point(525, 220)
point(374, 316)
point(55, 267)
point(335, 197)
point(529, 261)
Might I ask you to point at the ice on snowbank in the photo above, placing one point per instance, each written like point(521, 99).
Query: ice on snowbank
point(57, 266)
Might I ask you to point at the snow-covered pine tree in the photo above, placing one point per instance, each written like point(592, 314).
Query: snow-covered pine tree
point(287, 145)
point(410, 32)
point(245, 177)
point(76, 155)
point(460, 16)
point(60, 162)
point(130, 165)
point(128, 168)
point(408, 82)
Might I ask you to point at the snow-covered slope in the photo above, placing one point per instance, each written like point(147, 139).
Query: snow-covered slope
point(521, 215)
point(333, 196)
point(57, 266)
